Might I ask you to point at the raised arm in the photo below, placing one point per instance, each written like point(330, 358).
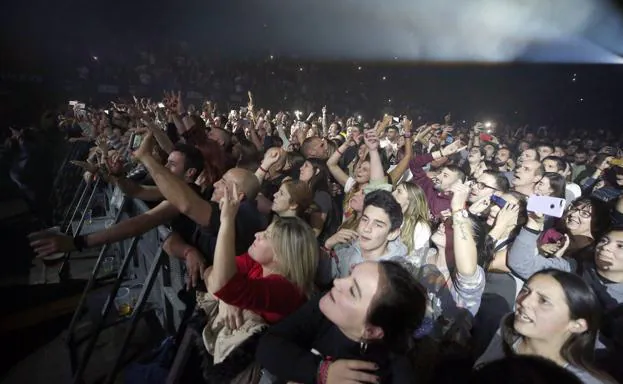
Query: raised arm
point(173, 188)
point(396, 173)
point(465, 253)
point(134, 226)
point(224, 264)
point(376, 166)
point(325, 126)
point(161, 137)
point(271, 157)
point(135, 190)
point(332, 163)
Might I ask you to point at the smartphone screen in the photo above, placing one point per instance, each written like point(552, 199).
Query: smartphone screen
point(136, 141)
point(497, 200)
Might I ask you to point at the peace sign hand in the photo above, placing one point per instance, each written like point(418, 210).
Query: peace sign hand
point(229, 203)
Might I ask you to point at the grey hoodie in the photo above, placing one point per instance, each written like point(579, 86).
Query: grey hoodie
point(347, 256)
point(524, 258)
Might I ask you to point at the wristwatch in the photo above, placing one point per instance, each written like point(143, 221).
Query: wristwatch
point(407, 134)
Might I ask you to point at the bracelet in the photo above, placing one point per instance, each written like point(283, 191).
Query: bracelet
point(262, 169)
point(80, 242)
point(338, 151)
point(441, 151)
point(323, 371)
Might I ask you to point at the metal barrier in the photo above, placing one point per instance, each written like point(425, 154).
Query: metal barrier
point(144, 261)
point(67, 178)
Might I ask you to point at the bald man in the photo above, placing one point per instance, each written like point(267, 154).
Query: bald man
point(207, 214)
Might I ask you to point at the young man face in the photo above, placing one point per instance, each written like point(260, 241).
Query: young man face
point(527, 155)
point(374, 230)
point(545, 151)
point(502, 156)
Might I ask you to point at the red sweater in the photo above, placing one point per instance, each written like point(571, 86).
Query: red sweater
point(273, 297)
point(437, 201)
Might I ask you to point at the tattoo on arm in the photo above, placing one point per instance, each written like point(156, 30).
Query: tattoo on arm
point(462, 230)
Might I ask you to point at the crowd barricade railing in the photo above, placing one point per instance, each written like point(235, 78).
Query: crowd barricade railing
point(145, 269)
point(68, 182)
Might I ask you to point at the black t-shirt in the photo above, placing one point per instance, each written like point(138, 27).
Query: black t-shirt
point(249, 221)
point(270, 187)
point(184, 225)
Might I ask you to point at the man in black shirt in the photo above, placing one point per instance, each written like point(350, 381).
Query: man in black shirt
point(206, 213)
point(184, 163)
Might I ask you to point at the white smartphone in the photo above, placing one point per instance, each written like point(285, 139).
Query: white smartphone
point(73, 103)
point(160, 105)
point(550, 206)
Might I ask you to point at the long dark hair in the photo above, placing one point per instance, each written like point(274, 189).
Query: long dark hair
point(578, 350)
point(556, 182)
point(600, 215)
point(398, 306)
point(320, 180)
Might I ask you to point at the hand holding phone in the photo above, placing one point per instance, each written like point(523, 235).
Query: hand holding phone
point(547, 205)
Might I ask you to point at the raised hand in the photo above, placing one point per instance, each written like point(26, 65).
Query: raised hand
point(271, 157)
point(460, 193)
point(508, 216)
point(455, 147)
point(229, 203)
point(480, 205)
point(146, 147)
point(371, 140)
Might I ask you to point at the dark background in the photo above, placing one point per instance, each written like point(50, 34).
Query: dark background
point(533, 83)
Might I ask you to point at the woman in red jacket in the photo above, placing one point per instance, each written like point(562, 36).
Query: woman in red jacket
point(275, 276)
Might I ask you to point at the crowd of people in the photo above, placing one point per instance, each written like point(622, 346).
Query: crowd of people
point(331, 249)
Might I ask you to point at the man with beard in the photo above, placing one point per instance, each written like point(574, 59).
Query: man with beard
point(505, 163)
point(437, 189)
point(579, 164)
point(526, 175)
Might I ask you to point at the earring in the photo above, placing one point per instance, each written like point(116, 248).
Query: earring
point(363, 346)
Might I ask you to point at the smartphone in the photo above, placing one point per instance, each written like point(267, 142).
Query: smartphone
point(497, 200)
point(136, 141)
point(160, 105)
point(72, 103)
point(485, 137)
point(449, 139)
point(547, 205)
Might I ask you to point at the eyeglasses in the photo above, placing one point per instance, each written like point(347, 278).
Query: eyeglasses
point(582, 212)
point(481, 186)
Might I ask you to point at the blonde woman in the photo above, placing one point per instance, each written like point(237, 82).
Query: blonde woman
point(415, 230)
point(274, 277)
point(352, 184)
